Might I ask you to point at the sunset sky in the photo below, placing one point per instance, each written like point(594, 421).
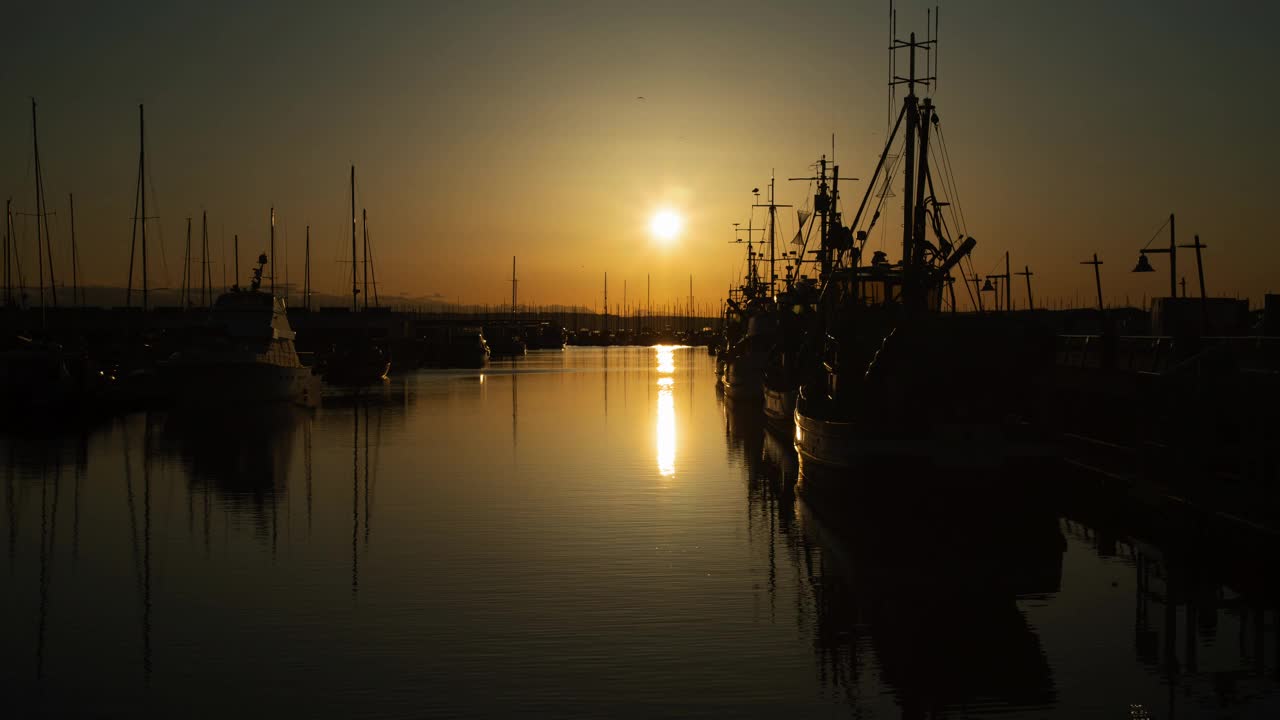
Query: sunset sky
point(481, 130)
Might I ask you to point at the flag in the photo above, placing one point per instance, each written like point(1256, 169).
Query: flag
point(802, 216)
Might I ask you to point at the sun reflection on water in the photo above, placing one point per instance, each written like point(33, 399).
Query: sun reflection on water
point(666, 431)
point(666, 358)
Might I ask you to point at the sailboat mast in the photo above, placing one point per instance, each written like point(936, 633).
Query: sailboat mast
point(77, 296)
point(8, 278)
point(186, 270)
point(235, 258)
point(206, 277)
point(306, 272)
point(355, 290)
point(42, 227)
point(142, 191)
point(273, 251)
point(513, 286)
point(364, 223)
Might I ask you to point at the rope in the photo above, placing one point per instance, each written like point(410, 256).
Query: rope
point(1156, 234)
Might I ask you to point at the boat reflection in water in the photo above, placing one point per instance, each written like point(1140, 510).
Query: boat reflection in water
point(928, 600)
point(242, 458)
point(934, 599)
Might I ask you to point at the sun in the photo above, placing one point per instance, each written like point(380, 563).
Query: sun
point(666, 224)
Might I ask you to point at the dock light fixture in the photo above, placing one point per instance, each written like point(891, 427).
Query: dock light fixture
point(988, 287)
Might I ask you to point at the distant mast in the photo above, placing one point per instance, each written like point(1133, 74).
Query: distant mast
point(306, 272)
point(273, 251)
point(355, 288)
point(364, 223)
point(77, 294)
point(43, 243)
point(513, 286)
point(139, 214)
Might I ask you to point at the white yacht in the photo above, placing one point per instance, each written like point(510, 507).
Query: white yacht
point(246, 355)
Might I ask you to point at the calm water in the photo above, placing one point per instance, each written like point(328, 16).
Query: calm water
point(578, 533)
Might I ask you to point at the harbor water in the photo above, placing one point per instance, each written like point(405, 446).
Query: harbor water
point(579, 533)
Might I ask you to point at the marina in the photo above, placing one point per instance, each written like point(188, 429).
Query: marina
point(895, 433)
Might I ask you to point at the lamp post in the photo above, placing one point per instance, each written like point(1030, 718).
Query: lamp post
point(1026, 272)
point(1097, 275)
point(1144, 265)
point(1006, 276)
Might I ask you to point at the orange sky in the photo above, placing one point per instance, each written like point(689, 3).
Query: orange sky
point(486, 130)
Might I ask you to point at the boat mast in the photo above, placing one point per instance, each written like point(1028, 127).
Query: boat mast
point(41, 222)
point(355, 290)
point(773, 215)
point(908, 166)
point(142, 192)
point(206, 277)
point(235, 258)
point(77, 295)
point(306, 272)
point(914, 179)
point(15, 259)
point(8, 278)
point(364, 223)
point(273, 251)
point(186, 270)
point(513, 286)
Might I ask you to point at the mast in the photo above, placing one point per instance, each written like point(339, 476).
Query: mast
point(273, 251)
point(606, 301)
point(773, 217)
point(142, 192)
point(364, 224)
point(186, 270)
point(8, 276)
point(513, 286)
point(77, 296)
point(42, 226)
point(206, 279)
point(908, 177)
point(235, 258)
point(306, 272)
point(355, 290)
point(823, 209)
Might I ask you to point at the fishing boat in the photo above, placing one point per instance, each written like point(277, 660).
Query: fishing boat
point(750, 326)
point(246, 354)
point(903, 380)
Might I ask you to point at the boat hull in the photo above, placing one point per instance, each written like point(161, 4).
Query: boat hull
point(228, 384)
point(850, 449)
point(743, 379)
point(780, 408)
